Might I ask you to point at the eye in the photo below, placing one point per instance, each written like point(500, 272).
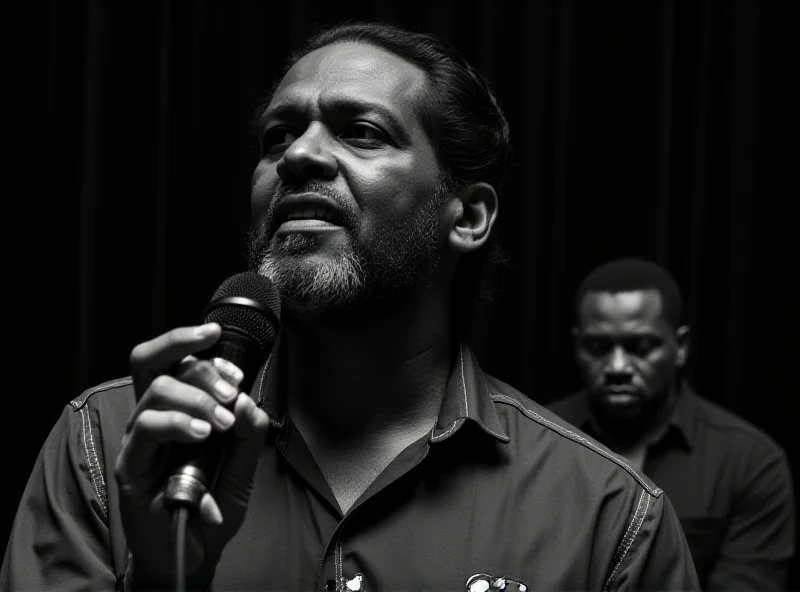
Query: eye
point(596, 346)
point(643, 346)
point(276, 140)
point(364, 135)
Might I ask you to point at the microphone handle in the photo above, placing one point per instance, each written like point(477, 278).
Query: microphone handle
point(197, 465)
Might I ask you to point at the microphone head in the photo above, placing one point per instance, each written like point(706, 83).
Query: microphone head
point(247, 303)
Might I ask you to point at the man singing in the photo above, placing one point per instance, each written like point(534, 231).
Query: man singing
point(372, 453)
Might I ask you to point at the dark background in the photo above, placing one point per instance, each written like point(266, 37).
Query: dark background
point(650, 128)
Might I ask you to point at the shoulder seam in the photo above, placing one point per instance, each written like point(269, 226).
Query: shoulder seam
point(627, 539)
point(81, 399)
point(93, 461)
point(575, 437)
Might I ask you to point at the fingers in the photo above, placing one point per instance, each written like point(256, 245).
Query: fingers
point(206, 375)
point(251, 421)
point(136, 465)
point(180, 409)
point(229, 371)
point(168, 395)
point(160, 355)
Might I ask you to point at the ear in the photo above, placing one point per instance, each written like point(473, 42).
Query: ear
point(473, 211)
point(682, 335)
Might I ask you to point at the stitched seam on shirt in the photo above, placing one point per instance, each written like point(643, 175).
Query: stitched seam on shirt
point(463, 390)
point(499, 436)
point(463, 382)
point(445, 434)
point(570, 434)
point(626, 543)
point(81, 399)
point(337, 549)
point(338, 563)
point(618, 553)
point(95, 472)
point(262, 397)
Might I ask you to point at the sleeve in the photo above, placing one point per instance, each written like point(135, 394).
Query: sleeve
point(653, 553)
point(60, 539)
point(758, 547)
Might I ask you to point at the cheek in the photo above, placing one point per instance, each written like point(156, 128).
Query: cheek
point(657, 374)
point(262, 188)
point(588, 366)
point(661, 362)
point(391, 188)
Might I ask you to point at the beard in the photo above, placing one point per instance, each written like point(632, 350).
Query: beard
point(627, 426)
point(379, 270)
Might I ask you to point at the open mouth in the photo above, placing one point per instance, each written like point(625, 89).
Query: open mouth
point(315, 213)
point(307, 213)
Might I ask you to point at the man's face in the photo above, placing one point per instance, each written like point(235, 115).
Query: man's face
point(346, 197)
point(627, 354)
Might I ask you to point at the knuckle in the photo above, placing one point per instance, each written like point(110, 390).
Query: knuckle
point(178, 420)
point(160, 385)
point(138, 355)
point(197, 372)
point(173, 336)
point(205, 404)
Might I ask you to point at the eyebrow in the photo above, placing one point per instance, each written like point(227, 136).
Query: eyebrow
point(288, 109)
point(594, 332)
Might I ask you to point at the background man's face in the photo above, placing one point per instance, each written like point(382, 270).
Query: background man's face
point(627, 354)
point(346, 197)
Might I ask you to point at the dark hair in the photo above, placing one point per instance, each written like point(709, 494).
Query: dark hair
point(462, 117)
point(630, 275)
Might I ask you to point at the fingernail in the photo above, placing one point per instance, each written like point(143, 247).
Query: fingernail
point(225, 417)
point(216, 516)
point(200, 427)
point(229, 369)
point(225, 390)
point(205, 330)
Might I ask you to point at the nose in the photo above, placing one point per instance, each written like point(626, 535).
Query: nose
point(308, 157)
point(618, 365)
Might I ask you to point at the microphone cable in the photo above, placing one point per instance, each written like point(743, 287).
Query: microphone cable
point(180, 518)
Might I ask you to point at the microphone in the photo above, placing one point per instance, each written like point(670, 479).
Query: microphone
point(247, 307)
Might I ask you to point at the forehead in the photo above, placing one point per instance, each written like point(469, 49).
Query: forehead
point(622, 310)
point(350, 71)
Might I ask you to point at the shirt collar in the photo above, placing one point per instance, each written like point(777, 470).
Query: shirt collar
point(681, 422)
point(466, 396)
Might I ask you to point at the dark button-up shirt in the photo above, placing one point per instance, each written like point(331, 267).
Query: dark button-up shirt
point(500, 492)
point(730, 485)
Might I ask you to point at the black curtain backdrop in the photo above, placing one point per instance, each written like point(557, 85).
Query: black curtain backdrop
point(645, 128)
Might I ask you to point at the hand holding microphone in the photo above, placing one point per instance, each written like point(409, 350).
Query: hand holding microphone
point(194, 436)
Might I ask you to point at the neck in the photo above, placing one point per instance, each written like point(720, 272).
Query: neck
point(380, 376)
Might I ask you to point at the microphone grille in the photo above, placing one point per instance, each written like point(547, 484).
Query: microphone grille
point(259, 319)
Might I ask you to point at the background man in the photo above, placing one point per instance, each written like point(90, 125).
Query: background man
point(729, 482)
